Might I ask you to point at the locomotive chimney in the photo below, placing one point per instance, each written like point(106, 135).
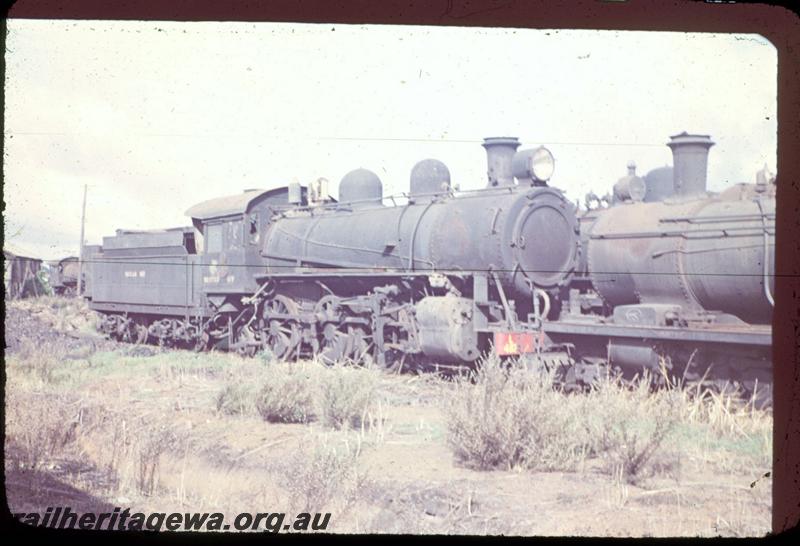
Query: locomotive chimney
point(689, 162)
point(499, 152)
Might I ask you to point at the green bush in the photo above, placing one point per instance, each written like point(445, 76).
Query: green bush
point(236, 399)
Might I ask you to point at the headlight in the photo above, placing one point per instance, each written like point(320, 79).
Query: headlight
point(535, 164)
point(542, 164)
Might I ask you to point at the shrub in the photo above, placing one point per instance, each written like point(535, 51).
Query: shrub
point(236, 399)
point(628, 425)
point(324, 475)
point(346, 394)
point(505, 417)
point(38, 360)
point(39, 427)
point(288, 394)
point(148, 457)
point(340, 396)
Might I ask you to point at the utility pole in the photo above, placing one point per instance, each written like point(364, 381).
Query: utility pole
point(80, 256)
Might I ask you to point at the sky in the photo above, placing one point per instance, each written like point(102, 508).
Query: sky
point(156, 116)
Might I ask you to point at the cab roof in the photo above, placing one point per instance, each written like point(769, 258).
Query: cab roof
point(229, 205)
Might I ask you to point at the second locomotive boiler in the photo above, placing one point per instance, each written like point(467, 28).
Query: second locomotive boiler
point(701, 253)
point(676, 271)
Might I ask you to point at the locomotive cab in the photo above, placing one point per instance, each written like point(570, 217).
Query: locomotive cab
point(232, 230)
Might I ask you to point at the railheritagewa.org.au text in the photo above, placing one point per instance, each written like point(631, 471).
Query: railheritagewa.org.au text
point(125, 520)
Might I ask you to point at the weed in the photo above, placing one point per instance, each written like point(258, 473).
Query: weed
point(287, 396)
point(325, 475)
point(628, 424)
point(148, 457)
point(346, 395)
point(39, 428)
point(506, 417)
point(236, 399)
point(133, 449)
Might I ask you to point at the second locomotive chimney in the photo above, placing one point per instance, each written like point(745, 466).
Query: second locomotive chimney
point(499, 151)
point(689, 162)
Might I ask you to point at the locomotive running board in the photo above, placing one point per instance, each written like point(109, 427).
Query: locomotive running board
point(761, 337)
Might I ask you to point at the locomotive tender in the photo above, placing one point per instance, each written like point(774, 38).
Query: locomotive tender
point(441, 275)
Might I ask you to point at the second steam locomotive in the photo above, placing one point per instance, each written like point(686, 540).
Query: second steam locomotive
point(666, 274)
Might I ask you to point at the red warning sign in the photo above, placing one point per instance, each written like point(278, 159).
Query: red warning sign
point(514, 343)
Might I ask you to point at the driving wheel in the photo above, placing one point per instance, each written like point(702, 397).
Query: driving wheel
point(281, 334)
point(332, 345)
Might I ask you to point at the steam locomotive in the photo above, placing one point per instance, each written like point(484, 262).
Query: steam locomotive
point(64, 276)
point(660, 274)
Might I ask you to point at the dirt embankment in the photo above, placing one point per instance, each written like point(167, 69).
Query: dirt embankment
point(64, 323)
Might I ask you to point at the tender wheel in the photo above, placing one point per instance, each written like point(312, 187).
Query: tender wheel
point(106, 325)
point(139, 333)
point(126, 330)
point(280, 335)
point(162, 330)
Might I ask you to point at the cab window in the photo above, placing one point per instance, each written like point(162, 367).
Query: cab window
point(252, 228)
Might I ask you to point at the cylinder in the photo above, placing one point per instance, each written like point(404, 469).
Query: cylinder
point(690, 163)
point(499, 155)
point(446, 331)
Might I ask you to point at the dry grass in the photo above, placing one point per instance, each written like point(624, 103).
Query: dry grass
point(325, 476)
point(40, 427)
point(340, 396)
point(51, 423)
point(721, 429)
point(40, 362)
point(177, 430)
point(346, 396)
point(503, 416)
point(64, 315)
point(506, 417)
point(45, 430)
point(627, 426)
